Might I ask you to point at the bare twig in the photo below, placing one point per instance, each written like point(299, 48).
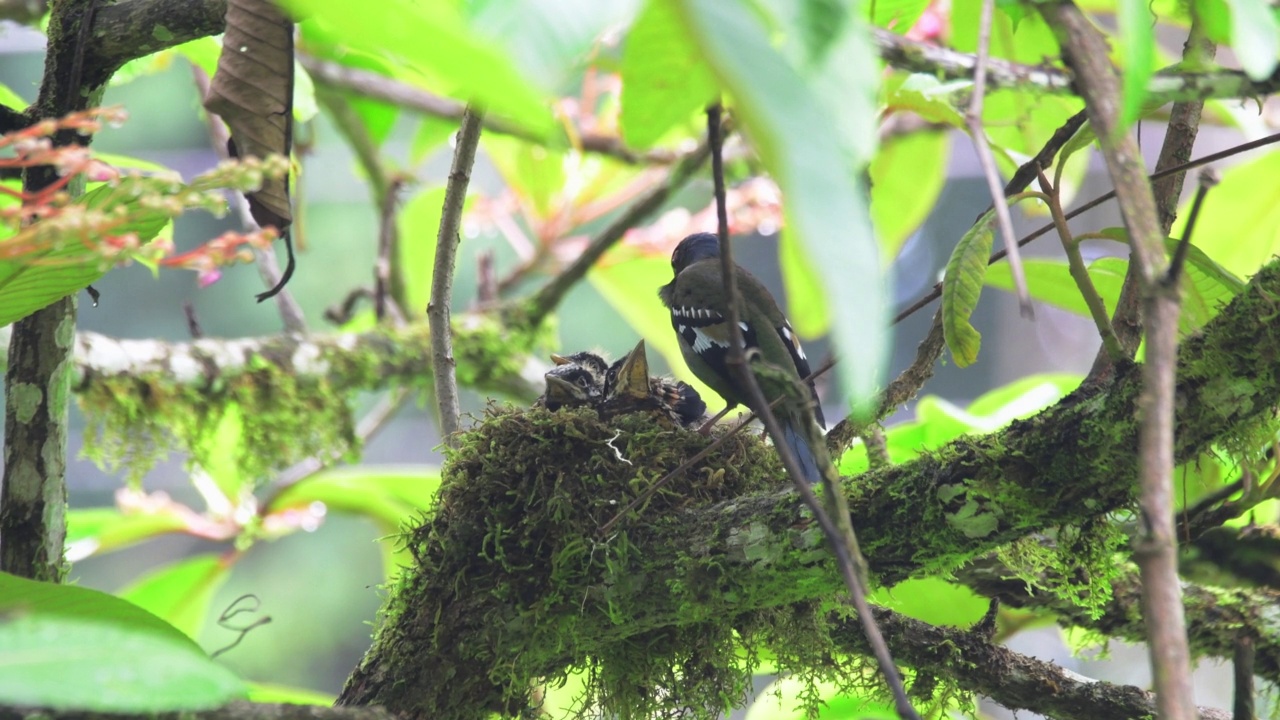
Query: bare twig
point(446, 383)
point(834, 517)
point(1085, 52)
point(1080, 273)
point(193, 322)
point(973, 120)
point(550, 295)
point(1207, 180)
point(388, 238)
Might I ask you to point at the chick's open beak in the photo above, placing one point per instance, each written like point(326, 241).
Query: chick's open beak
point(633, 378)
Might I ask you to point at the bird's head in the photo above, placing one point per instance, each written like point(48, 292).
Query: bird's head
point(593, 363)
point(571, 384)
point(699, 246)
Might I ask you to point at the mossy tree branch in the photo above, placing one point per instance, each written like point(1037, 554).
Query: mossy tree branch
point(701, 566)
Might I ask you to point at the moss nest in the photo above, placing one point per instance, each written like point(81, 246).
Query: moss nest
point(515, 586)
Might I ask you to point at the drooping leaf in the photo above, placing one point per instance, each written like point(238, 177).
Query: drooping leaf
point(907, 176)
point(665, 81)
point(181, 591)
point(1255, 36)
point(1138, 43)
point(962, 286)
point(811, 144)
point(73, 648)
point(252, 91)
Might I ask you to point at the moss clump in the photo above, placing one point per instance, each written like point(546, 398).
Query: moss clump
point(514, 585)
point(1078, 567)
point(257, 421)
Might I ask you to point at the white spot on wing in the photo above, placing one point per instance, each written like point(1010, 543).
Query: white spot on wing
point(795, 342)
point(703, 342)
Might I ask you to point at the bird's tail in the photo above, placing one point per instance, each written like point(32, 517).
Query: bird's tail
point(800, 448)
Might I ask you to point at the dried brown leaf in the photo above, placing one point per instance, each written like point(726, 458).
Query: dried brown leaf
point(252, 91)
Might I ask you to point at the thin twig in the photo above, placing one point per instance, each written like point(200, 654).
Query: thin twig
point(936, 291)
point(193, 322)
point(973, 119)
point(1085, 52)
point(834, 518)
point(550, 295)
point(1080, 273)
point(1207, 180)
point(455, 193)
point(388, 239)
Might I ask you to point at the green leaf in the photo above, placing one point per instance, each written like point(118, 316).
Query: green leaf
point(898, 15)
point(1138, 45)
point(387, 495)
point(962, 286)
point(928, 97)
point(906, 178)
point(933, 600)
point(218, 453)
point(550, 39)
point(806, 303)
point(536, 174)
point(271, 693)
point(664, 78)
point(1215, 18)
point(202, 53)
point(432, 132)
point(73, 648)
point(456, 60)
point(11, 99)
point(304, 95)
point(180, 592)
point(1239, 223)
point(807, 130)
point(419, 221)
point(94, 531)
point(621, 284)
point(1255, 37)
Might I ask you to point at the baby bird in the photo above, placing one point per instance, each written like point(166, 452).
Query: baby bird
point(577, 379)
point(629, 388)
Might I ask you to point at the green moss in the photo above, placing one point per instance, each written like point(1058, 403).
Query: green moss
point(514, 586)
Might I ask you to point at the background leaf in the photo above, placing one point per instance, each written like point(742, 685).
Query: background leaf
point(181, 591)
point(962, 286)
point(1255, 36)
point(664, 79)
point(72, 648)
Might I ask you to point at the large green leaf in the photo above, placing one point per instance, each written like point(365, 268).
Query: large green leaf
point(664, 79)
point(39, 277)
point(180, 592)
point(808, 130)
point(906, 178)
point(73, 648)
point(933, 600)
point(435, 41)
point(962, 286)
point(1255, 36)
point(1239, 223)
point(536, 174)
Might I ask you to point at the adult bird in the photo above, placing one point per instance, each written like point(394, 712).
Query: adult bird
point(699, 305)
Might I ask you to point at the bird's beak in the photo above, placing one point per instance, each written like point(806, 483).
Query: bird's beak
point(633, 378)
point(561, 390)
point(559, 359)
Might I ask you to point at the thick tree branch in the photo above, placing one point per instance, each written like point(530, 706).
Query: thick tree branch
point(232, 711)
point(132, 29)
point(670, 568)
point(1016, 681)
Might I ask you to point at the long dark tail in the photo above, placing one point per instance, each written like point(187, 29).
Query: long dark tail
point(800, 447)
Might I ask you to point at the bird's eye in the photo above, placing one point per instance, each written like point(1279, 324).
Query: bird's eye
point(582, 382)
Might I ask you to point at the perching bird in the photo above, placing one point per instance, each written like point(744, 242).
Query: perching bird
point(698, 302)
point(630, 387)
